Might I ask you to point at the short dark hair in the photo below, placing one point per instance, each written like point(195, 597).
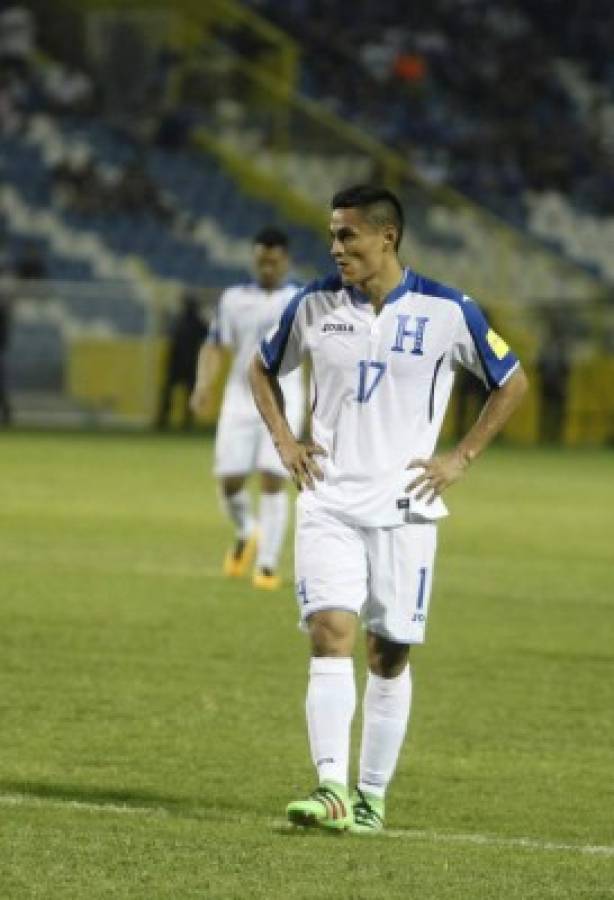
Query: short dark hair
point(271, 237)
point(380, 205)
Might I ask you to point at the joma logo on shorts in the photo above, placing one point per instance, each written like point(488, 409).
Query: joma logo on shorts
point(337, 326)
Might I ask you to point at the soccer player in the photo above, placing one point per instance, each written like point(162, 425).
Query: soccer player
point(243, 445)
point(384, 343)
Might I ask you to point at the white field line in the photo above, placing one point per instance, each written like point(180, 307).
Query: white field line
point(414, 834)
point(491, 840)
point(50, 802)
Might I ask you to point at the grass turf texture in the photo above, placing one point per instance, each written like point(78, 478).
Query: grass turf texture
point(152, 724)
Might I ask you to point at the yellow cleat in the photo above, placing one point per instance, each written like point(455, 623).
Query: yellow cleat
point(237, 562)
point(266, 581)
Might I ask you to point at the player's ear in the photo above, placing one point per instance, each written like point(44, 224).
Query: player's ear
point(390, 237)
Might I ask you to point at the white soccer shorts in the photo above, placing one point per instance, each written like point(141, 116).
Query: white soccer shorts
point(243, 443)
point(384, 575)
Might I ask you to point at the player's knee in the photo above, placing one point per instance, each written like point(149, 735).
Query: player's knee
point(271, 483)
point(385, 658)
point(332, 633)
point(232, 484)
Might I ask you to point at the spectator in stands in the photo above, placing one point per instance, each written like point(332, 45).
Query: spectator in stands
point(81, 187)
point(441, 81)
point(188, 333)
point(137, 192)
point(173, 128)
point(17, 39)
point(410, 68)
point(11, 103)
point(31, 262)
point(67, 90)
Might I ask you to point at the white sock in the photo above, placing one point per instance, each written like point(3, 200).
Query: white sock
point(273, 522)
point(238, 508)
point(386, 708)
point(331, 700)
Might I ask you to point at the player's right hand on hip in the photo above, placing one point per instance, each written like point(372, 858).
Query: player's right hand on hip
point(300, 461)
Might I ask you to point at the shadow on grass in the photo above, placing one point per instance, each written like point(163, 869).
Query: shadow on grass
point(149, 802)
point(132, 799)
point(286, 829)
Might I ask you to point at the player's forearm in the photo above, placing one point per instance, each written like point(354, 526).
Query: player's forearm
point(269, 399)
point(208, 366)
point(500, 405)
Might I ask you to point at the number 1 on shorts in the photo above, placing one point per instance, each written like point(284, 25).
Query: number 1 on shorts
point(421, 588)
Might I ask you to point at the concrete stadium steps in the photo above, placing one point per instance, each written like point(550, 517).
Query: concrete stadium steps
point(582, 237)
point(217, 220)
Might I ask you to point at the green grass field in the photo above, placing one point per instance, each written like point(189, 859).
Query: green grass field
point(152, 722)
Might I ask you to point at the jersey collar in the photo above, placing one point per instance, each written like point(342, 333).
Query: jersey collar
point(405, 285)
point(286, 283)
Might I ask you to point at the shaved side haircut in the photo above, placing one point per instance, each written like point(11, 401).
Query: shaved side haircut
point(380, 206)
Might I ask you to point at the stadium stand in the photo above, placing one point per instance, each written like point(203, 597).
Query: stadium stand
point(186, 219)
point(162, 188)
point(190, 182)
point(495, 100)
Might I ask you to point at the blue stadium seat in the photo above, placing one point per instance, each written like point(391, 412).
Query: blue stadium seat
point(193, 180)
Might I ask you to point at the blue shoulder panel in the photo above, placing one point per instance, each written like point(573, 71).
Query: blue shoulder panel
point(273, 351)
point(293, 283)
point(496, 357)
point(431, 288)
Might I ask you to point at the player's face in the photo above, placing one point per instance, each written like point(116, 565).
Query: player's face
point(270, 266)
point(358, 247)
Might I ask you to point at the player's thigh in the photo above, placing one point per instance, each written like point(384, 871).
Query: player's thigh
point(401, 562)
point(330, 562)
point(236, 444)
point(268, 459)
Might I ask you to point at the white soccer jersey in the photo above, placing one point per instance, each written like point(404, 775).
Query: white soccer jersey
point(245, 314)
point(381, 385)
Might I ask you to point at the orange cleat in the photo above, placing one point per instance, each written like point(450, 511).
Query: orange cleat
point(238, 561)
point(266, 580)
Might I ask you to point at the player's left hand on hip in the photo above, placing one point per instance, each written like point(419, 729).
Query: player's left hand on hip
point(437, 474)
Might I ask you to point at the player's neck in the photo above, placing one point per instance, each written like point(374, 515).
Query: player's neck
point(269, 288)
point(378, 286)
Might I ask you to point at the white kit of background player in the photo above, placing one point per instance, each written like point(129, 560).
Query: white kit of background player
point(382, 373)
point(243, 444)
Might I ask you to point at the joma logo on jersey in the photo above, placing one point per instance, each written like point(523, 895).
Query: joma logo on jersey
point(336, 326)
point(412, 334)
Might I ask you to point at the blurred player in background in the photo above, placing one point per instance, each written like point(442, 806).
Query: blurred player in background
point(243, 445)
point(384, 343)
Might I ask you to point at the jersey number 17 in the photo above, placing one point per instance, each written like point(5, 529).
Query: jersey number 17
point(369, 376)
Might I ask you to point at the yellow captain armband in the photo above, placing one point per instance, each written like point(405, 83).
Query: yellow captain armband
point(497, 344)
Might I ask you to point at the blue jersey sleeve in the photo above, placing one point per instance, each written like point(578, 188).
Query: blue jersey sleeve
point(480, 349)
point(282, 348)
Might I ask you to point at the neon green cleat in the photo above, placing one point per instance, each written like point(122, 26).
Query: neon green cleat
point(327, 807)
point(368, 812)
